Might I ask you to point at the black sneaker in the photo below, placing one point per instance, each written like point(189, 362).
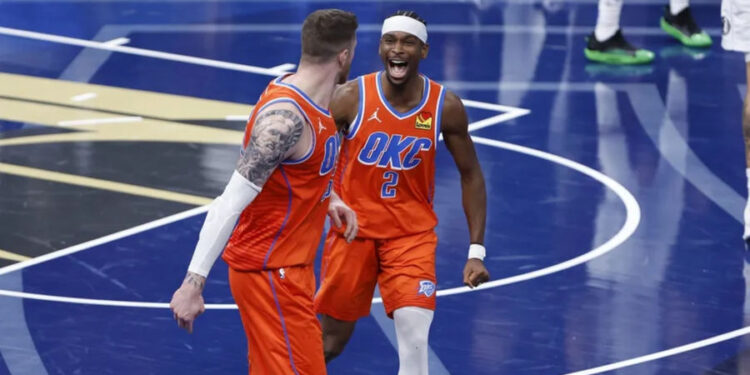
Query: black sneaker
point(682, 26)
point(616, 50)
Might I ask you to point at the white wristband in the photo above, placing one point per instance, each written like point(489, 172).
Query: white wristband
point(477, 251)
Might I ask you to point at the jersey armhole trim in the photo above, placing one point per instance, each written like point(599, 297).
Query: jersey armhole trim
point(360, 109)
point(307, 121)
point(439, 115)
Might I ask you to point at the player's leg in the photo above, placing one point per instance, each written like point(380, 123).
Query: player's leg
point(412, 333)
point(295, 292)
point(746, 136)
point(608, 19)
point(336, 334)
point(678, 22)
point(347, 284)
point(408, 284)
point(607, 44)
point(276, 307)
point(677, 6)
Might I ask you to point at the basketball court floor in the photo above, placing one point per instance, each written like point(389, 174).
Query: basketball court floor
point(615, 193)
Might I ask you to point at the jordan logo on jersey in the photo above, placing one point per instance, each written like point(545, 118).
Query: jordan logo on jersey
point(374, 116)
point(424, 120)
point(320, 126)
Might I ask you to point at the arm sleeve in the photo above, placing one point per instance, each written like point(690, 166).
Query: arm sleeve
point(220, 221)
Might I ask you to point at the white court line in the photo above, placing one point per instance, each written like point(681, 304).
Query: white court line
point(498, 118)
point(105, 239)
point(665, 353)
point(105, 302)
point(491, 106)
point(95, 121)
point(236, 117)
point(117, 41)
point(138, 51)
point(284, 68)
point(84, 97)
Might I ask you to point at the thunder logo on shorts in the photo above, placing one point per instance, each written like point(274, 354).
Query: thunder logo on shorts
point(426, 287)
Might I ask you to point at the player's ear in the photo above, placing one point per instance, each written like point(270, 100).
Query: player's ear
point(343, 57)
point(425, 50)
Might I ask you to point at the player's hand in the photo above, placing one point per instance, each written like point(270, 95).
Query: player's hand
point(187, 303)
point(338, 211)
point(475, 273)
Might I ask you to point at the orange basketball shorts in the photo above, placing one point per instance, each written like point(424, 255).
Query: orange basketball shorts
point(283, 333)
point(403, 268)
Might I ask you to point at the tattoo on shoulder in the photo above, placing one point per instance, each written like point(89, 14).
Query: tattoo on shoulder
point(275, 132)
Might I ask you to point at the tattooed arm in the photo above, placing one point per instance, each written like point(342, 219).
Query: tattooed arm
point(276, 137)
point(279, 133)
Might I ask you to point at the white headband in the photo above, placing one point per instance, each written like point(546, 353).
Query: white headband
point(407, 25)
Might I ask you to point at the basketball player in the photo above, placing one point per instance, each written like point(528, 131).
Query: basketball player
point(386, 174)
point(734, 16)
point(607, 44)
point(278, 196)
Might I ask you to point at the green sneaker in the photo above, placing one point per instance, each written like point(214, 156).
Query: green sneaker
point(616, 50)
point(682, 26)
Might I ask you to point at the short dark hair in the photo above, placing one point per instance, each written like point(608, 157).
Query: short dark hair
point(326, 32)
point(409, 13)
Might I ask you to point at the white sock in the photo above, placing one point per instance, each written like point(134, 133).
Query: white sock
point(676, 6)
point(412, 330)
point(608, 20)
point(746, 235)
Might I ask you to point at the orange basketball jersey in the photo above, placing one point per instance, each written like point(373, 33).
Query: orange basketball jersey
point(283, 225)
point(386, 172)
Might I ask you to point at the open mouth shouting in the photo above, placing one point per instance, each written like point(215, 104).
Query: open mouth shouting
point(397, 68)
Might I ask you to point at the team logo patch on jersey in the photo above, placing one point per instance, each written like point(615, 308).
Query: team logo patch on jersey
point(424, 120)
point(426, 287)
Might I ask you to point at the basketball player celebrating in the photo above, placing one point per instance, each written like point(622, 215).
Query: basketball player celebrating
point(386, 174)
point(737, 38)
point(278, 196)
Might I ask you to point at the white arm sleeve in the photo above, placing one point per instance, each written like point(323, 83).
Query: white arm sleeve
point(220, 221)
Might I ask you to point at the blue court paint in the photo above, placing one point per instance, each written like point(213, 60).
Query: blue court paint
point(8, 127)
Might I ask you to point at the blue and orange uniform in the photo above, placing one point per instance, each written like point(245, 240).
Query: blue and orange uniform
point(386, 174)
point(271, 251)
